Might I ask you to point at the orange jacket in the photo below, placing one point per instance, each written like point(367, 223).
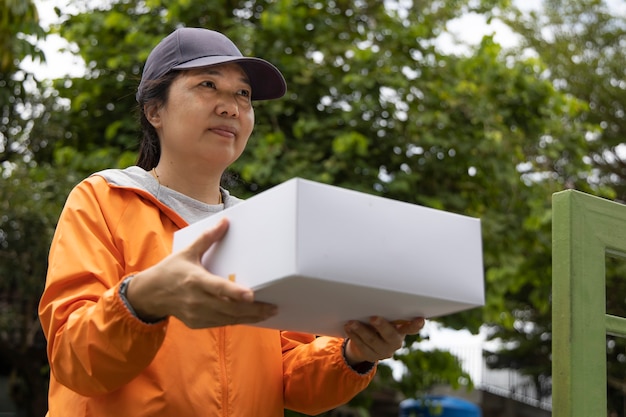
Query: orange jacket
point(106, 362)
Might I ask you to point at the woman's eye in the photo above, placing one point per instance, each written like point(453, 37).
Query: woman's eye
point(245, 93)
point(209, 84)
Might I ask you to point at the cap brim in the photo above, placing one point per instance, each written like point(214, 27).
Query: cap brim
point(266, 80)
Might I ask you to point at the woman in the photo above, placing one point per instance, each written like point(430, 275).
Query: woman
point(135, 329)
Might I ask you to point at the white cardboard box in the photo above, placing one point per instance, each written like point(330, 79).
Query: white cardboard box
point(326, 255)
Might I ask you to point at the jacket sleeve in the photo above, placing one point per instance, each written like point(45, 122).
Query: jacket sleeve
point(316, 376)
point(95, 345)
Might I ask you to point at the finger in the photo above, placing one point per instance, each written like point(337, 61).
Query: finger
point(224, 312)
point(224, 289)
point(387, 331)
point(208, 238)
point(411, 327)
point(237, 313)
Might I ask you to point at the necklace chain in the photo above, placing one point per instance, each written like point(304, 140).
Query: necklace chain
point(154, 172)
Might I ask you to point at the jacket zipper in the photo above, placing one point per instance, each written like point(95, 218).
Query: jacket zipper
point(224, 376)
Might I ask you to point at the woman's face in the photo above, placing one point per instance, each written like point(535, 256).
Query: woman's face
point(207, 118)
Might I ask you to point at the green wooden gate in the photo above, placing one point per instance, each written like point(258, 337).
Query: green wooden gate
point(584, 230)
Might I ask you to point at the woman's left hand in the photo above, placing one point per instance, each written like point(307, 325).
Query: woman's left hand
point(378, 339)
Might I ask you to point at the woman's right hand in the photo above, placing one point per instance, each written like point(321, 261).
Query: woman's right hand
point(180, 286)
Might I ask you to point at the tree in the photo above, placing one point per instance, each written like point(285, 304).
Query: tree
point(28, 215)
point(581, 46)
point(19, 30)
point(30, 202)
point(581, 43)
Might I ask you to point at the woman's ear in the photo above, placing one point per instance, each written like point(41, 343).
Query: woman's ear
point(153, 114)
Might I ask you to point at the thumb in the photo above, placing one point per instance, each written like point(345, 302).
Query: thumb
point(208, 238)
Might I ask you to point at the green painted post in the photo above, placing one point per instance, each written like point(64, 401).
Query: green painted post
point(584, 230)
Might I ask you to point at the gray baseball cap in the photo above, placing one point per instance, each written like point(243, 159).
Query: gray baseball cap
point(187, 48)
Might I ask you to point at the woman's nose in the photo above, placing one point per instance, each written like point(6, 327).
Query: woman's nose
point(227, 105)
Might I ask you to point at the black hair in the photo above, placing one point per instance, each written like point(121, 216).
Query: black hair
point(155, 92)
